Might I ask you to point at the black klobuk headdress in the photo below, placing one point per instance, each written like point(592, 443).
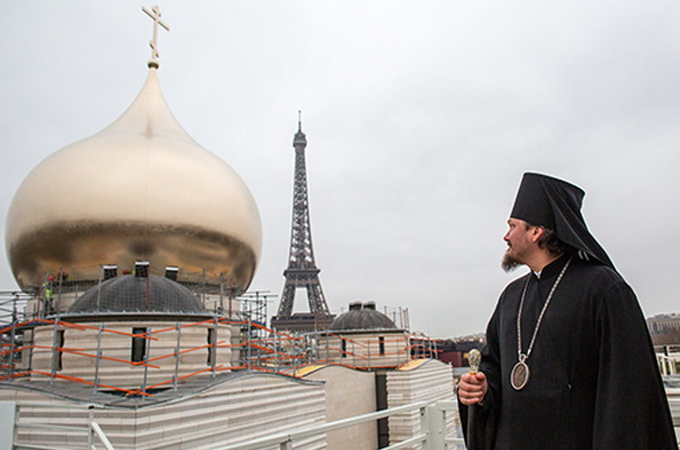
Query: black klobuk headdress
point(556, 204)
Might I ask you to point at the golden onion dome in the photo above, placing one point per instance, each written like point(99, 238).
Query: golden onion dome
point(141, 189)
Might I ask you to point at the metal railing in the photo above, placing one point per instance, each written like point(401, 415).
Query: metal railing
point(95, 434)
point(669, 364)
point(432, 435)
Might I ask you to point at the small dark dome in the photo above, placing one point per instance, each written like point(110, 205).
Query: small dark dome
point(128, 293)
point(362, 317)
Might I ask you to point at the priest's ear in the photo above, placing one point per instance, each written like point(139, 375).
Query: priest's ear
point(537, 232)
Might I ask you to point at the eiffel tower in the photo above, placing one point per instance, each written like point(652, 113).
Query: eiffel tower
point(302, 271)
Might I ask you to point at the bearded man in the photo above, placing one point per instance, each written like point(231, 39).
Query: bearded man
point(568, 362)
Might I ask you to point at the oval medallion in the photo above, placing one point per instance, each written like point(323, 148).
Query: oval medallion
point(519, 375)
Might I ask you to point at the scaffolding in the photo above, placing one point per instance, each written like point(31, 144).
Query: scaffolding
point(252, 346)
point(277, 353)
point(254, 306)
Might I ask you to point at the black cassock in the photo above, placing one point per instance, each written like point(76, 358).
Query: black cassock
point(594, 381)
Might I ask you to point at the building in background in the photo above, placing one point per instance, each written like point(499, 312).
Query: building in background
point(665, 329)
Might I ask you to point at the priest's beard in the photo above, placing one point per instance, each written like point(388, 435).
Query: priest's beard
point(509, 263)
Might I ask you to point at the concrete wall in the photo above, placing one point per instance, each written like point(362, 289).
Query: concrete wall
point(420, 380)
point(238, 409)
point(365, 349)
point(116, 349)
point(349, 393)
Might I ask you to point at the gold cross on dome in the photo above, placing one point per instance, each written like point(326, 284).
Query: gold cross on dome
point(155, 14)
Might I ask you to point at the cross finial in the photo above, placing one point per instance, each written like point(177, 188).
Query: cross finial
point(155, 14)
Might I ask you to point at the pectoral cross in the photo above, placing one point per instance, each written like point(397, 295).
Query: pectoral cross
point(155, 14)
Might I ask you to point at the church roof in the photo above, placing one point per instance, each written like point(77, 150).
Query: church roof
point(362, 317)
point(141, 179)
point(129, 293)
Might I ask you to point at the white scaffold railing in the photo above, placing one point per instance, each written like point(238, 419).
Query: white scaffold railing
point(95, 434)
point(432, 435)
point(674, 405)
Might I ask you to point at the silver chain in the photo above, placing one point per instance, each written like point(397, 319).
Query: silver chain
point(524, 356)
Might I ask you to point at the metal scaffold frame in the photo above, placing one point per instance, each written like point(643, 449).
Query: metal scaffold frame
point(265, 351)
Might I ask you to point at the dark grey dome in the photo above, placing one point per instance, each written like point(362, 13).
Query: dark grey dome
point(362, 317)
point(128, 293)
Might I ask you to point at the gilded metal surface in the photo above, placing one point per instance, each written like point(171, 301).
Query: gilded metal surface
point(140, 189)
point(79, 249)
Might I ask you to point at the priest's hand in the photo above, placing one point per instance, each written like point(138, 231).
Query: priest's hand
point(472, 388)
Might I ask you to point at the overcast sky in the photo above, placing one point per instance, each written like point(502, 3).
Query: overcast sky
point(420, 117)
